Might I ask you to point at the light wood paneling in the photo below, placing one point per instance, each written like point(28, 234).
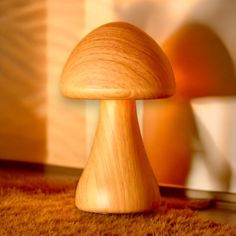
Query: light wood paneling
point(37, 124)
point(66, 118)
point(23, 80)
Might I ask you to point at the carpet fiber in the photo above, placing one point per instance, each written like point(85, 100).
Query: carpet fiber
point(38, 206)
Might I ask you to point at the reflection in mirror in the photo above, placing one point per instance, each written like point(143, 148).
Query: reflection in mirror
point(202, 68)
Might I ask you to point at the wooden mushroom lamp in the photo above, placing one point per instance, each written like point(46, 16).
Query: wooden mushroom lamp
point(117, 63)
point(202, 68)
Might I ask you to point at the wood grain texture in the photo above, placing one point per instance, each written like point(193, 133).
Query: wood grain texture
point(117, 60)
point(23, 80)
point(118, 177)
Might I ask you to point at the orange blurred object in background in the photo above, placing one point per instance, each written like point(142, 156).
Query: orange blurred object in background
point(201, 63)
point(202, 68)
point(169, 131)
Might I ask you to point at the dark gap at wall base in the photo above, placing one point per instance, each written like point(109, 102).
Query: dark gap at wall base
point(221, 200)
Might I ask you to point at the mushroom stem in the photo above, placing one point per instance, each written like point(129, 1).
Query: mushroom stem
point(118, 177)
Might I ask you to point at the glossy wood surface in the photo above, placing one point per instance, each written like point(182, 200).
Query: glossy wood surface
point(118, 177)
point(117, 61)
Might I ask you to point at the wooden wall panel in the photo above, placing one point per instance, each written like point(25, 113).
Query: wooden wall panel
point(23, 80)
point(66, 118)
point(37, 124)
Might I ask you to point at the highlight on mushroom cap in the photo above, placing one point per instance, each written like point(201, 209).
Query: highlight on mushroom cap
point(117, 61)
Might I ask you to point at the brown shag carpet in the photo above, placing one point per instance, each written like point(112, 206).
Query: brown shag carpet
point(42, 206)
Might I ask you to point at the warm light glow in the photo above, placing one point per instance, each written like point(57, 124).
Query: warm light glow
point(103, 199)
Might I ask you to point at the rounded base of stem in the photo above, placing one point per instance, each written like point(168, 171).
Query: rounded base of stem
point(117, 177)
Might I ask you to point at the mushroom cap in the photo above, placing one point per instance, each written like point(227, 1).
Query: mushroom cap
point(201, 63)
point(117, 61)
